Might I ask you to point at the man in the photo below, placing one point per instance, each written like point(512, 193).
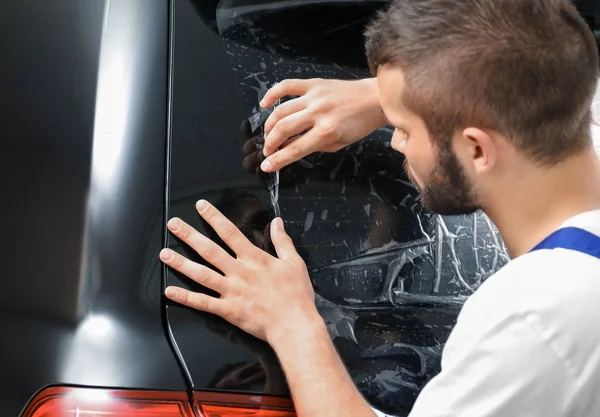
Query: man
point(490, 101)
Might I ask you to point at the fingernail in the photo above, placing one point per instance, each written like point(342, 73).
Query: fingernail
point(166, 254)
point(262, 103)
point(201, 206)
point(170, 292)
point(266, 165)
point(174, 224)
point(277, 225)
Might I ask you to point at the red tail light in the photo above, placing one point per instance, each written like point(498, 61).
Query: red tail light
point(237, 405)
point(92, 402)
point(95, 402)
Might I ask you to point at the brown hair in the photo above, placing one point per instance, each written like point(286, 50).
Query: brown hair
point(525, 68)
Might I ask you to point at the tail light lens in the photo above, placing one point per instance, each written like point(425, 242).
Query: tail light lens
point(95, 402)
point(91, 402)
point(237, 405)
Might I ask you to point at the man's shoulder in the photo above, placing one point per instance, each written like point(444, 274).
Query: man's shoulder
point(559, 273)
point(544, 266)
point(545, 281)
point(553, 293)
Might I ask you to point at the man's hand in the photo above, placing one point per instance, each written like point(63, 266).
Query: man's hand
point(272, 299)
point(263, 295)
point(333, 113)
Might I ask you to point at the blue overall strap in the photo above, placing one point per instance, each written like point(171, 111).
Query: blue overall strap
point(572, 238)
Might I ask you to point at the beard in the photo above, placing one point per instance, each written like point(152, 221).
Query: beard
point(447, 189)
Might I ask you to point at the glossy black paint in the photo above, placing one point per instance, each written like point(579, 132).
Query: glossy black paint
point(82, 161)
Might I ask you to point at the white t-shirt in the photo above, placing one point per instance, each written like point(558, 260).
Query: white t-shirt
point(527, 342)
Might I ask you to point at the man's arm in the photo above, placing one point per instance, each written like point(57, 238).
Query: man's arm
point(318, 379)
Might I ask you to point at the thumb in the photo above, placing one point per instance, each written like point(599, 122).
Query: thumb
point(281, 240)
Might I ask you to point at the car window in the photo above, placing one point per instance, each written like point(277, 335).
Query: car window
point(590, 10)
point(390, 278)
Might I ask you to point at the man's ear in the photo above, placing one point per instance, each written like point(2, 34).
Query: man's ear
point(480, 149)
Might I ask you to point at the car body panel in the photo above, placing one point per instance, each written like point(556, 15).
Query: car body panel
point(82, 160)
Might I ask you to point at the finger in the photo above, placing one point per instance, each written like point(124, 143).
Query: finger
point(206, 248)
point(286, 128)
point(268, 245)
point(246, 128)
point(196, 300)
point(251, 162)
point(292, 87)
point(292, 151)
point(226, 230)
point(249, 146)
point(284, 246)
point(286, 109)
point(199, 273)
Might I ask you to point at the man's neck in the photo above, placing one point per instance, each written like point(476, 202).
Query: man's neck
point(535, 201)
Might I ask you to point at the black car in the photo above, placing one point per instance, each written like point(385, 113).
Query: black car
point(119, 114)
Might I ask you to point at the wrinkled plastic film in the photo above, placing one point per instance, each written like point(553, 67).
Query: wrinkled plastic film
point(257, 121)
point(339, 321)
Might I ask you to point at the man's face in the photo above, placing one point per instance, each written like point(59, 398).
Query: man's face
point(431, 163)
